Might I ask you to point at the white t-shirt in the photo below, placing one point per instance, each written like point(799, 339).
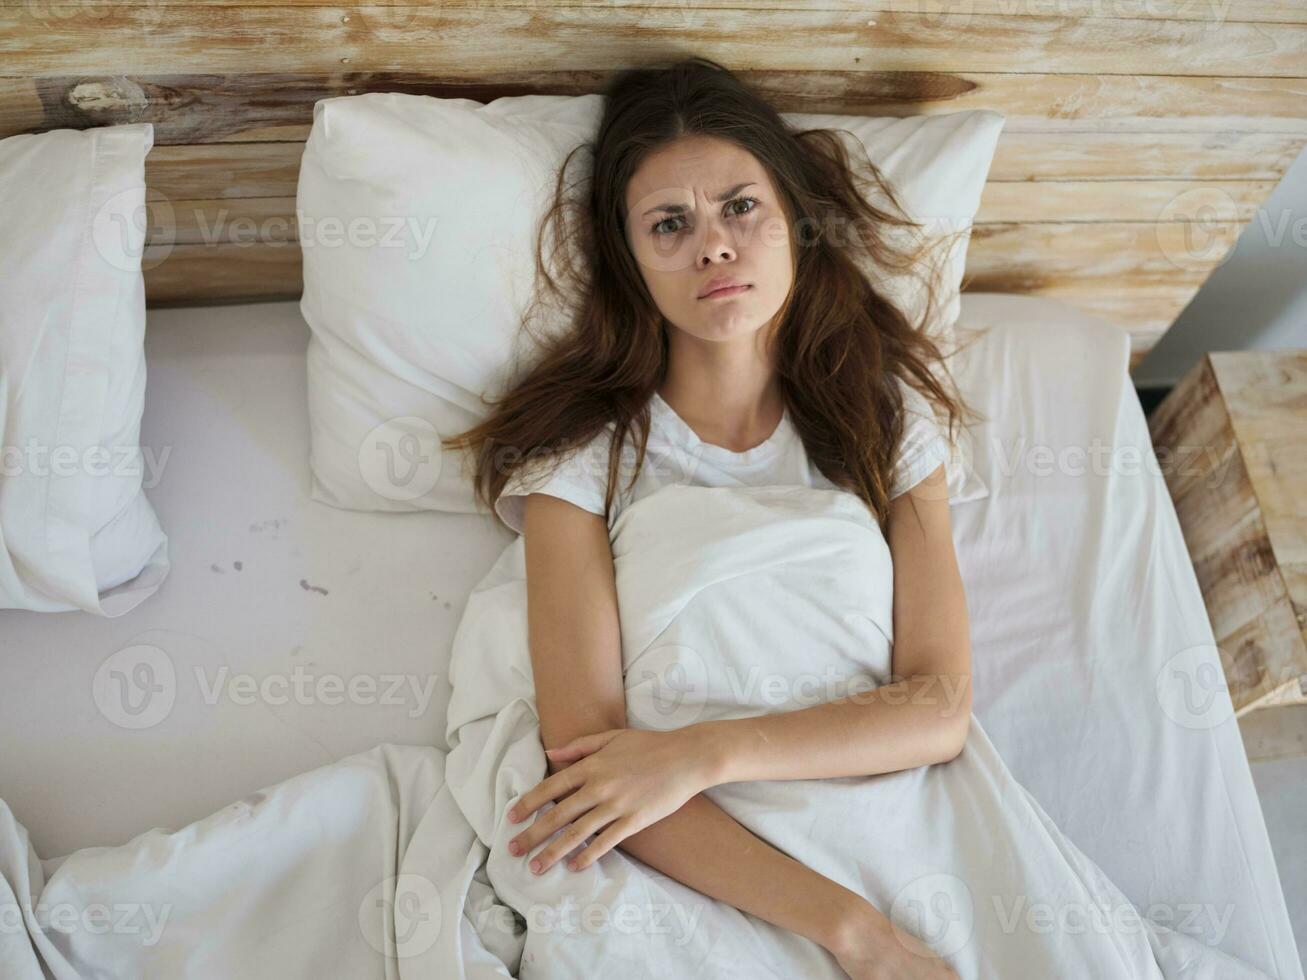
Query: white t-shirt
point(676, 455)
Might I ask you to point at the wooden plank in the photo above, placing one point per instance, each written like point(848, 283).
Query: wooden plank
point(1227, 528)
point(1021, 257)
point(241, 220)
point(1122, 200)
point(46, 39)
point(1206, 11)
point(224, 170)
point(188, 275)
point(1266, 394)
point(1144, 310)
point(1122, 272)
point(1092, 155)
point(1267, 672)
point(193, 108)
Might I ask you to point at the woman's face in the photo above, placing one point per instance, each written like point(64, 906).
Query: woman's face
point(702, 209)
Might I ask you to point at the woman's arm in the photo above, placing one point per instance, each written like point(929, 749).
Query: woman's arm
point(575, 644)
point(913, 722)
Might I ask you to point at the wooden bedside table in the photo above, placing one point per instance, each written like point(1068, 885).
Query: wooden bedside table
point(1231, 439)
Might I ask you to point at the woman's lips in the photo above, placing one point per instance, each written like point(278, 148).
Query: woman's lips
point(728, 291)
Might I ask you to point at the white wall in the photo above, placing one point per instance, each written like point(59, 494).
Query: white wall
point(1255, 300)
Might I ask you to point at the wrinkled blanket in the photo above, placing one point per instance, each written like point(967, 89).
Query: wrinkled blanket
point(738, 601)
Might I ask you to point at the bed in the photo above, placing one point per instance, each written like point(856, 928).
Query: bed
point(1085, 615)
point(1138, 142)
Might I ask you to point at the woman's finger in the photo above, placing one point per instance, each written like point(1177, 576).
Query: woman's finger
point(550, 788)
point(570, 838)
point(547, 823)
point(581, 746)
point(617, 832)
point(566, 753)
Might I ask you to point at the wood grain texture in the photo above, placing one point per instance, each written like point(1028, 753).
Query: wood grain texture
point(1140, 138)
point(184, 274)
point(254, 106)
point(50, 38)
point(1266, 394)
point(1206, 11)
point(1232, 442)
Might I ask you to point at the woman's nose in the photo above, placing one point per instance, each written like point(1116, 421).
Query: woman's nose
point(717, 244)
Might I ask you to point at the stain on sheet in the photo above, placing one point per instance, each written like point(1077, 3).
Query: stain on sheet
point(272, 524)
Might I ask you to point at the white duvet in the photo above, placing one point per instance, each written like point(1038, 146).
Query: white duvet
point(393, 863)
point(739, 601)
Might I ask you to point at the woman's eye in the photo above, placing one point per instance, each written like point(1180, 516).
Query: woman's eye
point(744, 200)
point(657, 228)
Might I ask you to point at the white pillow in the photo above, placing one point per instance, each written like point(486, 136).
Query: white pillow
point(417, 217)
point(76, 529)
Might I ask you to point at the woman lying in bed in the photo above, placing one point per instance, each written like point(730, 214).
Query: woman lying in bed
point(726, 326)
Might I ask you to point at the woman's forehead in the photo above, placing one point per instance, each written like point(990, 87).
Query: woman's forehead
point(681, 173)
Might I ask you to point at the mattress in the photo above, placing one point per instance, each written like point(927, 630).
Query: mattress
point(290, 634)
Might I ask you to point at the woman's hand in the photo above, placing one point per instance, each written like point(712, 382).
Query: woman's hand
point(623, 779)
point(868, 946)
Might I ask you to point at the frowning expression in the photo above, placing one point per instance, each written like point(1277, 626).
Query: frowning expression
point(703, 210)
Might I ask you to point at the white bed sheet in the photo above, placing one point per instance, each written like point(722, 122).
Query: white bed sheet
point(1089, 632)
point(1079, 587)
point(326, 591)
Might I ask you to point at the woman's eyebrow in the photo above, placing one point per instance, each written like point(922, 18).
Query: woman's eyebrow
point(721, 198)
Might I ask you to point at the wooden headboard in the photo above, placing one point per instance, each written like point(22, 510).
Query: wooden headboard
point(1141, 135)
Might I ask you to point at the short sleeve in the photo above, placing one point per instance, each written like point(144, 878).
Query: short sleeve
point(581, 478)
point(923, 447)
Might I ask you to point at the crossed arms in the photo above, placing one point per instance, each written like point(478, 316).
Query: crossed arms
point(575, 647)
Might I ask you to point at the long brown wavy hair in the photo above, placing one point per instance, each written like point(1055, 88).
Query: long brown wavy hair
point(838, 343)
